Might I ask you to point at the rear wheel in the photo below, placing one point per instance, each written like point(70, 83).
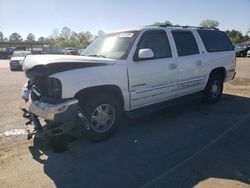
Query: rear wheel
point(103, 113)
point(214, 88)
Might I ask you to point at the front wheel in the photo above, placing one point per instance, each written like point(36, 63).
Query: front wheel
point(214, 88)
point(103, 113)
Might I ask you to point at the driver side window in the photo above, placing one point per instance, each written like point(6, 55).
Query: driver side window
point(157, 41)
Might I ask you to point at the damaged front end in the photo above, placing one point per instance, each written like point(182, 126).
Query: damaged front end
point(47, 113)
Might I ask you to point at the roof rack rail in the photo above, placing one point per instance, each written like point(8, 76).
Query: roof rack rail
point(187, 26)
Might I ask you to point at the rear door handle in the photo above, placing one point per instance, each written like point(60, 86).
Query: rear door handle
point(172, 66)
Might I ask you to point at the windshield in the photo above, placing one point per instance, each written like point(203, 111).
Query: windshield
point(113, 46)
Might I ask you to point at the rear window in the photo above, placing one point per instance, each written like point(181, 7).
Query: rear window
point(215, 41)
point(185, 43)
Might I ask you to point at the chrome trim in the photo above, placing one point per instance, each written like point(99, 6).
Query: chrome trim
point(139, 85)
point(48, 111)
point(43, 109)
point(197, 80)
point(25, 93)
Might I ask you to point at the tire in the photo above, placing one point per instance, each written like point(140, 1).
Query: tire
point(103, 112)
point(214, 88)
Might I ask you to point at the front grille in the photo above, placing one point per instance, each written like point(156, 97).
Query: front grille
point(48, 86)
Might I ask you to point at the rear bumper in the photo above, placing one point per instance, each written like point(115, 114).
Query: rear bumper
point(59, 117)
point(16, 66)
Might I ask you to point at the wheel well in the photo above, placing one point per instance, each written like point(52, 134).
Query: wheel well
point(220, 70)
point(109, 89)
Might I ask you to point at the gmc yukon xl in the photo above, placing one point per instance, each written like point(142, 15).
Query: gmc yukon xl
point(122, 72)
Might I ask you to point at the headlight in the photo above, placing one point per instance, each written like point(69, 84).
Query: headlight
point(54, 88)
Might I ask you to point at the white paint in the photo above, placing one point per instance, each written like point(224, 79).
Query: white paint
point(14, 132)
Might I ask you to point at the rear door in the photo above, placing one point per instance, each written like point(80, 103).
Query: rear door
point(190, 62)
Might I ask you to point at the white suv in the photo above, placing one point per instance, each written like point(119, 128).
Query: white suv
point(122, 72)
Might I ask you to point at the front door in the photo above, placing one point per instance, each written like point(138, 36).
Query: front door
point(152, 80)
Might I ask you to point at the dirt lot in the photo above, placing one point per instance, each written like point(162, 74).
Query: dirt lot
point(191, 145)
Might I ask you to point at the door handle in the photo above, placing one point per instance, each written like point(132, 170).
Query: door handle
point(172, 66)
point(198, 62)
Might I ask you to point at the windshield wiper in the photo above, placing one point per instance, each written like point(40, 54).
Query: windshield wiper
point(97, 55)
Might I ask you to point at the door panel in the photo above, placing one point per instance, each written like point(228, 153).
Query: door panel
point(191, 70)
point(191, 75)
point(153, 80)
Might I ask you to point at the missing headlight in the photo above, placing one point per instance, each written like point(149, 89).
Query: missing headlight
point(54, 88)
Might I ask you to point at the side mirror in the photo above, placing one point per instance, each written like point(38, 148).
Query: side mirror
point(145, 54)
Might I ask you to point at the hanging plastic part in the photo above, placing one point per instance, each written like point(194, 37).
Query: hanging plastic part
point(84, 120)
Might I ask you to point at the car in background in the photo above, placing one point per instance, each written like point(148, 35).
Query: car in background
point(71, 51)
point(81, 52)
point(17, 58)
point(242, 52)
point(248, 53)
point(6, 53)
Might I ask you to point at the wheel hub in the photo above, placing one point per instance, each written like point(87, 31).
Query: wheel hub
point(215, 88)
point(103, 118)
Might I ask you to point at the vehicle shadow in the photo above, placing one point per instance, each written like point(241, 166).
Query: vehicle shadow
point(174, 147)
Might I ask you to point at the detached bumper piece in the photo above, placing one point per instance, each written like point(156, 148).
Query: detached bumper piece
point(58, 118)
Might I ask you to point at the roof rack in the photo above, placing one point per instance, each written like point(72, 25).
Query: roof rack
point(187, 26)
point(197, 27)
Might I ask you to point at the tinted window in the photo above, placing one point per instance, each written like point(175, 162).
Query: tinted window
point(185, 43)
point(215, 41)
point(156, 41)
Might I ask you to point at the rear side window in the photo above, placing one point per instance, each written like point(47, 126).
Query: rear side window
point(215, 41)
point(158, 42)
point(185, 43)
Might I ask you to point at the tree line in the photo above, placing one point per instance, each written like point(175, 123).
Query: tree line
point(64, 38)
point(68, 38)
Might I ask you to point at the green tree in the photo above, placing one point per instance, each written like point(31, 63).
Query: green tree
point(1, 36)
point(163, 24)
point(100, 33)
point(88, 36)
point(236, 36)
point(209, 23)
point(84, 39)
point(30, 37)
point(69, 38)
point(65, 33)
point(55, 34)
point(15, 37)
point(41, 39)
point(248, 32)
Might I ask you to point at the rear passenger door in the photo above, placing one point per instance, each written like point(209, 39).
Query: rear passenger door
point(190, 62)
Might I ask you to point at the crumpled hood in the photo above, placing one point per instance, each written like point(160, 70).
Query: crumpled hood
point(45, 65)
point(33, 60)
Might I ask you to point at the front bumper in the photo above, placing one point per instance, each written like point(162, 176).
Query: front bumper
point(59, 117)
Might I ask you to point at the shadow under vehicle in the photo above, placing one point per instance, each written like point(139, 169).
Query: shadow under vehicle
point(177, 147)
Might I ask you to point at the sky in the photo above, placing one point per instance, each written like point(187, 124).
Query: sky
point(43, 16)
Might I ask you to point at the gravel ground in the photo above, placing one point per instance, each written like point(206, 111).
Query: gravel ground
point(190, 145)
